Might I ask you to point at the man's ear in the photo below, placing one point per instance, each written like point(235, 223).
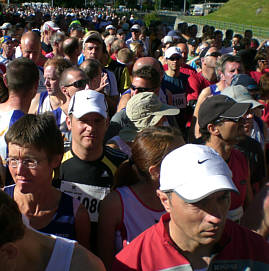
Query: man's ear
point(164, 200)
point(68, 122)
point(5, 79)
point(56, 160)
point(154, 172)
point(213, 129)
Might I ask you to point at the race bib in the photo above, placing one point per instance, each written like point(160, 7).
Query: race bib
point(90, 196)
point(179, 100)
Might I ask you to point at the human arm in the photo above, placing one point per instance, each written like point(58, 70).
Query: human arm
point(83, 226)
point(123, 101)
point(195, 126)
point(34, 104)
point(256, 217)
point(83, 259)
point(110, 218)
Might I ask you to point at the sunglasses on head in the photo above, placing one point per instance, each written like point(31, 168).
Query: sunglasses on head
point(173, 58)
point(139, 89)
point(81, 84)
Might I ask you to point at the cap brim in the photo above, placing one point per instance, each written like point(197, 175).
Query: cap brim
point(167, 110)
point(209, 185)
point(237, 110)
point(253, 103)
point(78, 114)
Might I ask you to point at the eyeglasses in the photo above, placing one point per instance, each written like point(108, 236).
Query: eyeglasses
point(81, 84)
point(29, 163)
point(139, 89)
point(173, 58)
point(227, 119)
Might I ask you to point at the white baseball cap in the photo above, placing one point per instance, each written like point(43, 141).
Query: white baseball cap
point(172, 51)
point(195, 172)
point(87, 101)
point(110, 27)
point(50, 25)
point(136, 27)
point(6, 26)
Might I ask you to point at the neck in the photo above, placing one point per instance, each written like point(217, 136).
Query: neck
point(38, 200)
point(57, 100)
point(221, 147)
point(186, 246)
point(89, 154)
point(16, 102)
point(173, 73)
point(209, 74)
point(72, 59)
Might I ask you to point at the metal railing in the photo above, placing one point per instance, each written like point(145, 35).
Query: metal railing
point(258, 31)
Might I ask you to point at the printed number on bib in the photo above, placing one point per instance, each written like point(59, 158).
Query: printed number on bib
point(179, 100)
point(90, 196)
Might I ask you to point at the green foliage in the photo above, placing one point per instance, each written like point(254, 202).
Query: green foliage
point(249, 12)
point(149, 17)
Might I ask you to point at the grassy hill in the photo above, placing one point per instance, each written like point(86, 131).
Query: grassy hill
point(249, 12)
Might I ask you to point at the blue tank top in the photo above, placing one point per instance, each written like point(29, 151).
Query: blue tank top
point(56, 112)
point(213, 89)
point(63, 222)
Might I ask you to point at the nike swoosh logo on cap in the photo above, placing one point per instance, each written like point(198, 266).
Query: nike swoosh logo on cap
point(201, 162)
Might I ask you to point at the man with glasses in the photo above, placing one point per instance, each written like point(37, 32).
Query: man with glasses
point(88, 167)
point(71, 80)
point(221, 120)
point(195, 234)
point(135, 31)
point(227, 66)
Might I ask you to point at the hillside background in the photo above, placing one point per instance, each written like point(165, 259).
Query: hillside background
point(249, 12)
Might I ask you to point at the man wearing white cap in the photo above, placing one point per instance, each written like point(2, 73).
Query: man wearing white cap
point(111, 29)
point(176, 83)
point(48, 29)
point(88, 167)
point(135, 31)
point(195, 234)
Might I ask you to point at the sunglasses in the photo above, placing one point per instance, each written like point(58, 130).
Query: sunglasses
point(236, 120)
point(139, 89)
point(215, 54)
point(135, 31)
point(173, 58)
point(81, 84)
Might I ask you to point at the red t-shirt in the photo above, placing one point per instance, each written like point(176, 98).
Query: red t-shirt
point(197, 83)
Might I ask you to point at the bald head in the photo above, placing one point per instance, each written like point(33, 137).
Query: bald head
point(147, 61)
point(31, 46)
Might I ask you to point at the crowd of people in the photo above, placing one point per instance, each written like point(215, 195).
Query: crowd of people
point(127, 147)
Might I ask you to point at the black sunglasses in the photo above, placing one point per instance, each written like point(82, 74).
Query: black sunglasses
point(81, 84)
point(173, 58)
point(228, 119)
point(139, 89)
point(215, 54)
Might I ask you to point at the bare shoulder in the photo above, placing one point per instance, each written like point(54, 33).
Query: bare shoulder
point(83, 259)
point(34, 104)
